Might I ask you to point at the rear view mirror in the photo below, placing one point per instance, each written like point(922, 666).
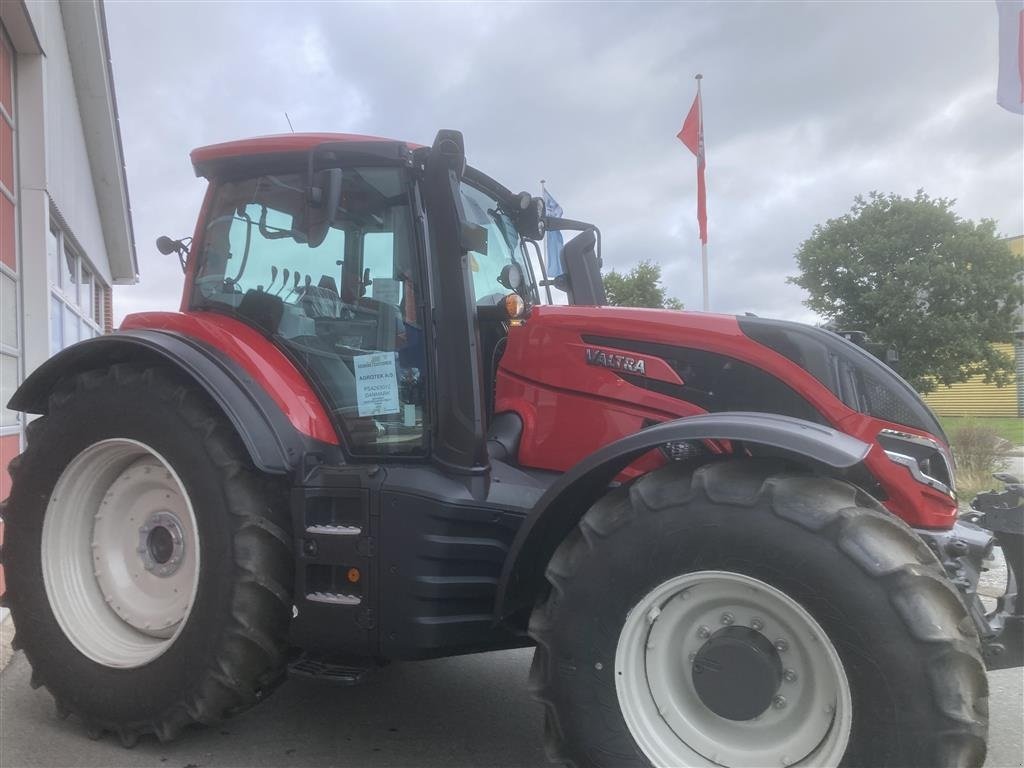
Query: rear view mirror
point(322, 201)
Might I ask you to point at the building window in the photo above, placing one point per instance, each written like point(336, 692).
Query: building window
point(77, 294)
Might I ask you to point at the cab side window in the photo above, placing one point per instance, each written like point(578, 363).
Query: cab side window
point(342, 303)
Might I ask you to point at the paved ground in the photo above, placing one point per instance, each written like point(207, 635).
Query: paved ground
point(473, 711)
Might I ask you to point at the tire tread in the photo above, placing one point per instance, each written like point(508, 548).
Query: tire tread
point(251, 647)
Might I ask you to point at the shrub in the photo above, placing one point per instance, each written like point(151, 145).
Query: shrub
point(979, 451)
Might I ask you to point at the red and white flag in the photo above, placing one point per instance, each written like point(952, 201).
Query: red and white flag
point(1010, 93)
point(692, 135)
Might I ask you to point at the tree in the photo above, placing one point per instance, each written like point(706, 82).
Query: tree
point(640, 287)
point(911, 273)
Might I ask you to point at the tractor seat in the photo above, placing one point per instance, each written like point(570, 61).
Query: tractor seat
point(322, 300)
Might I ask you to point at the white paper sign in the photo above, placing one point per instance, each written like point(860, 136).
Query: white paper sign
point(385, 290)
point(376, 384)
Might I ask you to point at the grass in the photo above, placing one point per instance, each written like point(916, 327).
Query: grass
point(1009, 428)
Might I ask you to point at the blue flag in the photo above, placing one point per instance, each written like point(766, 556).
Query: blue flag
point(553, 239)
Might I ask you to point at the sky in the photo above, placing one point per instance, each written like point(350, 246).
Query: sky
point(806, 105)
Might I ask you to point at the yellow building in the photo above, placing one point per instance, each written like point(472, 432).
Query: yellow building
point(976, 398)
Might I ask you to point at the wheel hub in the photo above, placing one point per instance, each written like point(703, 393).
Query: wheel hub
point(737, 673)
point(161, 544)
point(715, 668)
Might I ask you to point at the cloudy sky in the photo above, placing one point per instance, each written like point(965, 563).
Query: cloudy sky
point(806, 105)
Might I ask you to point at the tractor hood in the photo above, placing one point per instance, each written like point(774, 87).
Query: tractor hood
point(713, 362)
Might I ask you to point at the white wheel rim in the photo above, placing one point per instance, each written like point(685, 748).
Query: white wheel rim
point(120, 553)
point(665, 714)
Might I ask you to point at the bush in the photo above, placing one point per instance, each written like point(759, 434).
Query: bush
point(979, 451)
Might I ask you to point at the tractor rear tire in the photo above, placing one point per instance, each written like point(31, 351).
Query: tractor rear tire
point(148, 563)
point(743, 614)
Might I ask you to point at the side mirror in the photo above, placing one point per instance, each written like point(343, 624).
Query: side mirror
point(322, 200)
point(582, 277)
point(167, 246)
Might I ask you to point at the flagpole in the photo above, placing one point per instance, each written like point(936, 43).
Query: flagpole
point(703, 245)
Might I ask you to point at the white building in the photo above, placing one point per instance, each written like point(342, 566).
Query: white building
point(65, 223)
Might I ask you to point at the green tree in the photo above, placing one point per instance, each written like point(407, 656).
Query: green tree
point(911, 273)
point(640, 287)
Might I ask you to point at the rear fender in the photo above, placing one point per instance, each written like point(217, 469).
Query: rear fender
point(273, 443)
point(567, 500)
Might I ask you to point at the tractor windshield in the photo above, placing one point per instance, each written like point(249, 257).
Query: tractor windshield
point(504, 247)
point(343, 301)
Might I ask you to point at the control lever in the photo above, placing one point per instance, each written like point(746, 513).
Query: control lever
point(284, 280)
point(296, 278)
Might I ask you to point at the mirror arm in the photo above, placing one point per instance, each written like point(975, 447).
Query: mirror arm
point(543, 282)
point(572, 225)
point(183, 252)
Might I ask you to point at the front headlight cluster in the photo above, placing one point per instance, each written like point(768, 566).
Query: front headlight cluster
point(928, 461)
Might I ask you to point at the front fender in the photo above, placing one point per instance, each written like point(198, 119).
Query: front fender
point(567, 500)
point(273, 443)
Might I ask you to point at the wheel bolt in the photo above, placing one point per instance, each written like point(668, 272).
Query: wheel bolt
point(692, 657)
point(789, 675)
point(779, 702)
point(781, 645)
point(756, 624)
point(703, 632)
point(728, 618)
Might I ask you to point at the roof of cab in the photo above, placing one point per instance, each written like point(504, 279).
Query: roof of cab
point(204, 158)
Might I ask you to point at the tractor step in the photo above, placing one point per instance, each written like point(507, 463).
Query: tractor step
point(328, 671)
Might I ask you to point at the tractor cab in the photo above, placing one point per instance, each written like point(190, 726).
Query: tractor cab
point(327, 244)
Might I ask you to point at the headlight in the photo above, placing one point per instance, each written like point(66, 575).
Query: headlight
point(927, 460)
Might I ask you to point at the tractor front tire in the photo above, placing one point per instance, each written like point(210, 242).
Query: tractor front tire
point(742, 614)
point(148, 563)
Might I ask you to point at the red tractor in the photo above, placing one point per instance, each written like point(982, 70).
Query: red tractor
point(733, 541)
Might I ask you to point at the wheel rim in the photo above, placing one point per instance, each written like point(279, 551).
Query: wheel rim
point(120, 553)
point(684, 629)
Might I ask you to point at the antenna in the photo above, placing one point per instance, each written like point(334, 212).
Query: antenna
point(289, 122)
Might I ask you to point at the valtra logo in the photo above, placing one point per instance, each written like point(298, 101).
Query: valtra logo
point(616, 362)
